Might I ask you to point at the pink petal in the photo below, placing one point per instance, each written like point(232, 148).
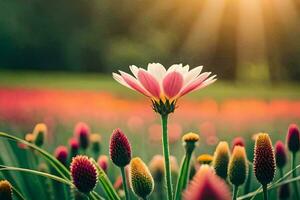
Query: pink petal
point(149, 83)
point(133, 83)
point(195, 84)
point(172, 84)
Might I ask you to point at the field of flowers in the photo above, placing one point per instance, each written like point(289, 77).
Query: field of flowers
point(216, 141)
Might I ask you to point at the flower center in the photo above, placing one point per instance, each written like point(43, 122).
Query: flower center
point(164, 108)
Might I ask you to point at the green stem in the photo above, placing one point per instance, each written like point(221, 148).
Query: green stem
point(265, 191)
point(183, 175)
point(164, 119)
point(124, 181)
point(295, 175)
point(235, 192)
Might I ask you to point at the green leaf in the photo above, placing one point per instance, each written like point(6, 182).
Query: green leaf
point(183, 176)
point(62, 170)
point(106, 184)
point(56, 178)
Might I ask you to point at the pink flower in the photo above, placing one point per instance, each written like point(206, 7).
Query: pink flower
point(206, 185)
point(162, 85)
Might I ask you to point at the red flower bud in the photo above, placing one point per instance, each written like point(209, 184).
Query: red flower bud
point(280, 154)
point(82, 132)
point(61, 154)
point(264, 159)
point(119, 148)
point(293, 138)
point(84, 174)
point(238, 141)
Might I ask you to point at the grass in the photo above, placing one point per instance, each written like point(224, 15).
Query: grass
point(100, 82)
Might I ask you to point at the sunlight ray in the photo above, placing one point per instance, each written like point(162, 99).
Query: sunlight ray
point(251, 44)
point(203, 37)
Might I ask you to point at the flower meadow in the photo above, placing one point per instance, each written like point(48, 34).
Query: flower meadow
point(172, 162)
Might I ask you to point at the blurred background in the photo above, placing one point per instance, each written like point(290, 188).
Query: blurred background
point(56, 59)
point(238, 40)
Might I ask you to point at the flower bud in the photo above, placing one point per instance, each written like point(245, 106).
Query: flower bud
point(221, 159)
point(29, 137)
point(61, 154)
point(6, 191)
point(74, 147)
point(103, 162)
point(206, 186)
point(119, 148)
point(82, 131)
point(189, 141)
point(280, 154)
point(264, 159)
point(238, 141)
point(205, 159)
point(174, 164)
point(118, 183)
point(238, 166)
point(40, 133)
point(84, 174)
point(95, 142)
point(141, 181)
point(293, 138)
point(156, 167)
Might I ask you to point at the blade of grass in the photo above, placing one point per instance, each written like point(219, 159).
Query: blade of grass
point(8, 157)
point(63, 171)
point(56, 178)
point(106, 184)
point(183, 177)
point(272, 185)
point(17, 193)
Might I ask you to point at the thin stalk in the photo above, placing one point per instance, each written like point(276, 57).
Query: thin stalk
point(18, 193)
point(274, 185)
point(165, 141)
point(124, 181)
point(265, 191)
point(53, 177)
point(235, 192)
point(183, 175)
point(295, 175)
point(106, 184)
